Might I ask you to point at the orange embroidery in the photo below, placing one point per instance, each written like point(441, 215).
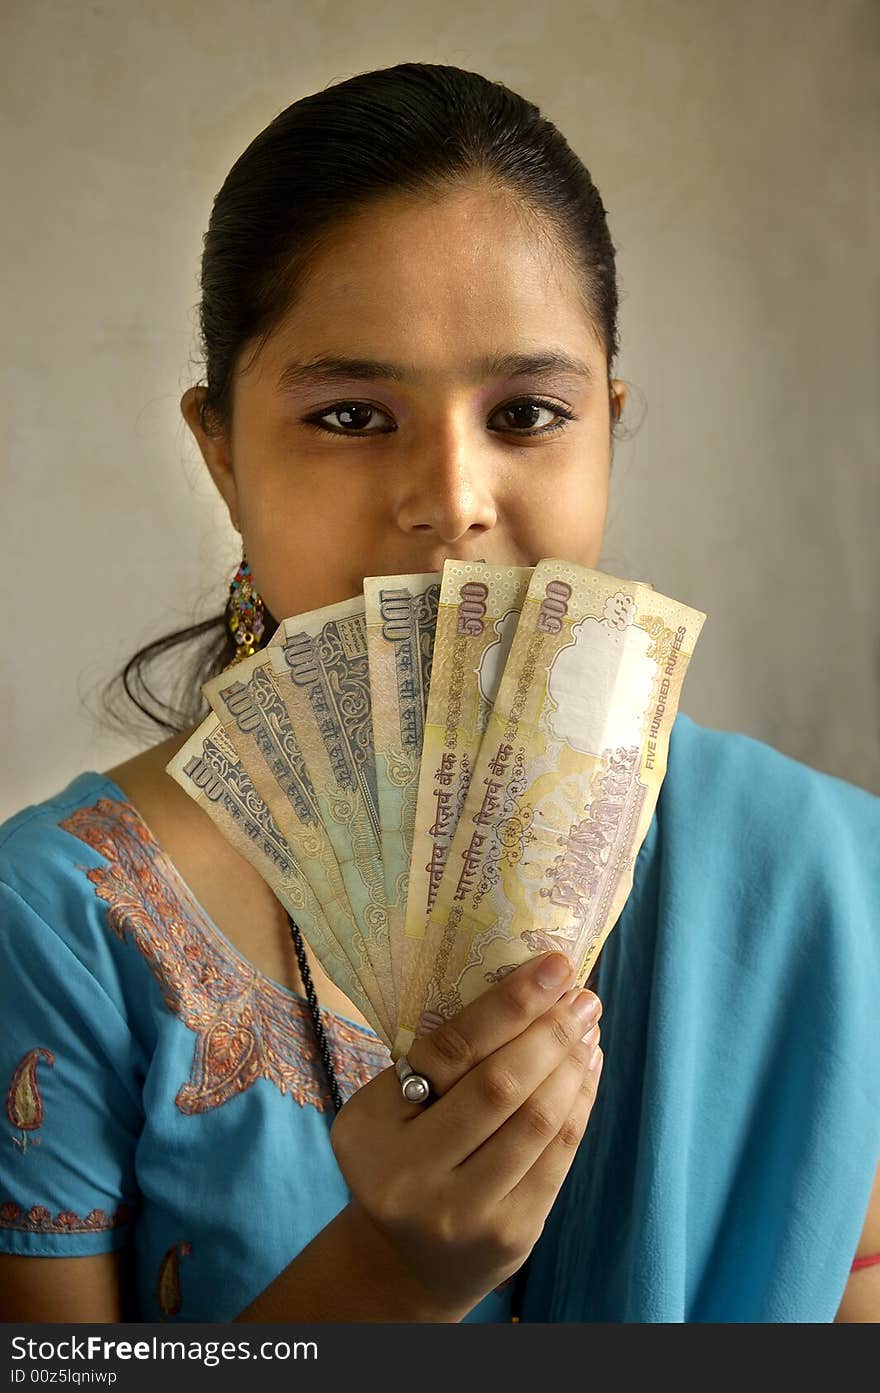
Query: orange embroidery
point(168, 1280)
point(38, 1219)
point(247, 1027)
point(24, 1101)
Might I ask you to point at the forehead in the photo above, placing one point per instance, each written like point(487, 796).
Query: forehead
point(434, 281)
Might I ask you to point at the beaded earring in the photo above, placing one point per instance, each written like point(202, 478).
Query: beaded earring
point(244, 613)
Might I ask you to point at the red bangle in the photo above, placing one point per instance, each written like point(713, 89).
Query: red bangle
point(865, 1262)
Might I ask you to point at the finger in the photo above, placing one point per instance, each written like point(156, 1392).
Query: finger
point(537, 1191)
point(480, 1103)
point(507, 1156)
point(495, 1017)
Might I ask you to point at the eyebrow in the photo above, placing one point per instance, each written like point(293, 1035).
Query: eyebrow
point(327, 368)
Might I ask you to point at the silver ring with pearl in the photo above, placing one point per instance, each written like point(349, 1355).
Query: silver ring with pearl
point(414, 1087)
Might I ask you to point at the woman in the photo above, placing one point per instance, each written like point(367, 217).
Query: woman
point(409, 318)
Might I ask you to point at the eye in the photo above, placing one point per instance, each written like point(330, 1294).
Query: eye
point(354, 416)
point(360, 411)
point(530, 404)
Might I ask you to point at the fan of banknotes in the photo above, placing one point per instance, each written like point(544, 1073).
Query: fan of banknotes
point(448, 774)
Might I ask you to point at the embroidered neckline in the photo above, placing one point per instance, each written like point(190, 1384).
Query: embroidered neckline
point(160, 855)
point(246, 1025)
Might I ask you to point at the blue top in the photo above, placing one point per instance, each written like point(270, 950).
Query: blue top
point(727, 1166)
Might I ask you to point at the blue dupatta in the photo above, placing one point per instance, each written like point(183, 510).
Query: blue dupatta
point(727, 1166)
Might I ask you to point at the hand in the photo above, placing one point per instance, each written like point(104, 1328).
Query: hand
point(461, 1187)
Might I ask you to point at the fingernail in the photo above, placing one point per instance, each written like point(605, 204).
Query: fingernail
point(552, 970)
point(585, 1007)
point(584, 1004)
point(595, 1057)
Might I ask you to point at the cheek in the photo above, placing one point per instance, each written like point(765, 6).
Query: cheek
point(305, 538)
point(563, 515)
point(306, 501)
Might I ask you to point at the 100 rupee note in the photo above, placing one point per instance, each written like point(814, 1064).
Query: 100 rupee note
point(401, 618)
point(248, 704)
point(319, 660)
point(207, 768)
point(564, 788)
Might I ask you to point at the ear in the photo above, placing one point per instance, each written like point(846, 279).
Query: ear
point(618, 399)
point(215, 451)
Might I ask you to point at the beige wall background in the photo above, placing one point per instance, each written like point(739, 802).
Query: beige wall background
point(735, 146)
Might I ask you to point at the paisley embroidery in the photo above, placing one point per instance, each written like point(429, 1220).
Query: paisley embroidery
point(24, 1101)
point(38, 1219)
point(168, 1281)
point(247, 1027)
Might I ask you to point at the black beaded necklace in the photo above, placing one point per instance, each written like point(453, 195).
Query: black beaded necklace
point(519, 1279)
point(318, 1024)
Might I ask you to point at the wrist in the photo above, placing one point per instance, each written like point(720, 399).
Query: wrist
point(403, 1296)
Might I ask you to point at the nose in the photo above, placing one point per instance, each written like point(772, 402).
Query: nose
point(447, 487)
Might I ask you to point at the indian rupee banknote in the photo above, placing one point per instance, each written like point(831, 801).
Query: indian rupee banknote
point(563, 790)
point(255, 720)
point(401, 619)
point(320, 662)
point(207, 768)
point(479, 607)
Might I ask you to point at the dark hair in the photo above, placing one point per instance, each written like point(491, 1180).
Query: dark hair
point(414, 128)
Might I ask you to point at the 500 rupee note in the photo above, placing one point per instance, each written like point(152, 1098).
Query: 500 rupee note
point(564, 789)
point(478, 611)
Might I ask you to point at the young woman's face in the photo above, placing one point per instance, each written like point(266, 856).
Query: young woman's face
point(444, 452)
